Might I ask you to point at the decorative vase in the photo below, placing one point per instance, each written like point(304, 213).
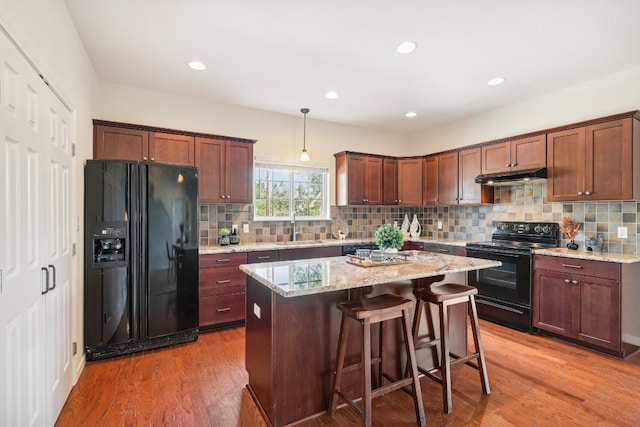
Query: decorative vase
point(405, 227)
point(415, 228)
point(223, 241)
point(572, 245)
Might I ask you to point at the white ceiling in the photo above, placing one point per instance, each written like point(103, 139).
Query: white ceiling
point(281, 55)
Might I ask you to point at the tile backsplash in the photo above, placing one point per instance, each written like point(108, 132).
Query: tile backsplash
point(526, 202)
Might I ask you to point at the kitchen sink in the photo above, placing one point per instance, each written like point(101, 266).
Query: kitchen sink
point(303, 242)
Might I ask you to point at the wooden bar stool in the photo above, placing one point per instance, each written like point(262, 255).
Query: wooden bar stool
point(368, 311)
point(445, 296)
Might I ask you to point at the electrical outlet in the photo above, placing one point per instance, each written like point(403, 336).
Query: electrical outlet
point(439, 225)
point(245, 228)
point(622, 232)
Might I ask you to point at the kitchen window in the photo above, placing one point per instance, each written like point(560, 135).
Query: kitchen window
point(283, 190)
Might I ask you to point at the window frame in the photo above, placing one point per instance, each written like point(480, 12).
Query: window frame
point(291, 168)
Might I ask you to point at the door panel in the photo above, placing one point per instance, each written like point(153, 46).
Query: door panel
point(35, 187)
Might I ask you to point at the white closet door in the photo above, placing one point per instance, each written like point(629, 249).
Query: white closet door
point(59, 259)
point(34, 321)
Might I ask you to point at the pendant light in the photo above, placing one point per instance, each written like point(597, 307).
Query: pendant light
point(304, 156)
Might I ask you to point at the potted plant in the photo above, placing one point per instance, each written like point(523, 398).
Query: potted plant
point(389, 239)
point(224, 236)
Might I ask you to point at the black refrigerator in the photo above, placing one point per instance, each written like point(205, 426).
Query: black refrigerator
point(141, 256)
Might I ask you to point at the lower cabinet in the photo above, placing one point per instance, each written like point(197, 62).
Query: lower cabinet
point(222, 284)
point(580, 300)
point(222, 288)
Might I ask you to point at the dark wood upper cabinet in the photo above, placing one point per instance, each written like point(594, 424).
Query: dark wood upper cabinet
point(594, 162)
point(225, 164)
point(225, 170)
point(171, 148)
point(448, 178)
point(115, 143)
point(410, 181)
point(469, 165)
point(121, 143)
point(389, 181)
point(515, 155)
point(430, 180)
point(358, 179)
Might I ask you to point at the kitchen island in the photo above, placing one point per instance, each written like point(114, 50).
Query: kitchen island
point(292, 325)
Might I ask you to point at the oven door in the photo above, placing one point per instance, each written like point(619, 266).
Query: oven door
point(504, 292)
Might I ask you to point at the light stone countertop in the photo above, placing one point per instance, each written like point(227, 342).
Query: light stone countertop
point(254, 247)
point(593, 256)
point(319, 275)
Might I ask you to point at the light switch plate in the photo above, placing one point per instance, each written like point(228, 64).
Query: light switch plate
point(622, 232)
point(256, 310)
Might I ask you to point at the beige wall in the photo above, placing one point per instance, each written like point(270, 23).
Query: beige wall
point(277, 135)
point(608, 95)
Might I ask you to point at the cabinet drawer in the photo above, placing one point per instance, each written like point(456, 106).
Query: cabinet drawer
point(262, 256)
point(223, 280)
point(222, 260)
point(221, 309)
point(605, 270)
point(445, 249)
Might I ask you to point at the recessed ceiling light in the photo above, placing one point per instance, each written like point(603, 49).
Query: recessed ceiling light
point(331, 95)
point(496, 81)
point(411, 114)
point(197, 65)
point(406, 47)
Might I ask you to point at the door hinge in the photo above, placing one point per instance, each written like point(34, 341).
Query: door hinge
point(73, 150)
point(75, 348)
point(73, 249)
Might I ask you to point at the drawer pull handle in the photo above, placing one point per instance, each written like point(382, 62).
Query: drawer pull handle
point(567, 281)
point(571, 266)
point(222, 310)
point(224, 281)
point(264, 257)
point(224, 260)
point(443, 250)
point(575, 282)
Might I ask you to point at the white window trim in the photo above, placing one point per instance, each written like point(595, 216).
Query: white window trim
point(290, 166)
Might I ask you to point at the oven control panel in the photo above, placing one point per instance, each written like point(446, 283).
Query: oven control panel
point(533, 229)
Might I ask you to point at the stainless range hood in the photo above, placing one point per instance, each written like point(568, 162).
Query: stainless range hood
point(512, 178)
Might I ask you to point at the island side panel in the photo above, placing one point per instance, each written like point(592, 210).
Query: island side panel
point(259, 351)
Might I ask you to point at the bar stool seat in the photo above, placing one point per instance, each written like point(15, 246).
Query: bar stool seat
point(368, 311)
point(445, 296)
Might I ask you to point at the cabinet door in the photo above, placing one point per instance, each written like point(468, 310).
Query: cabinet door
point(210, 160)
point(239, 172)
point(114, 143)
point(171, 148)
point(389, 181)
point(609, 161)
point(495, 158)
point(469, 167)
point(529, 153)
point(552, 302)
point(373, 181)
point(355, 180)
point(430, 183)
point(596, 311)
point(448, 178)
point(410, 182)
point(566, 165)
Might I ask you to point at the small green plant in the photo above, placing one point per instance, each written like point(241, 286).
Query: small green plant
point(224, 232)
point(389, 236)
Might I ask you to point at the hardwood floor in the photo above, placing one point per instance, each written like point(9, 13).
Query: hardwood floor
point(535, 381)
